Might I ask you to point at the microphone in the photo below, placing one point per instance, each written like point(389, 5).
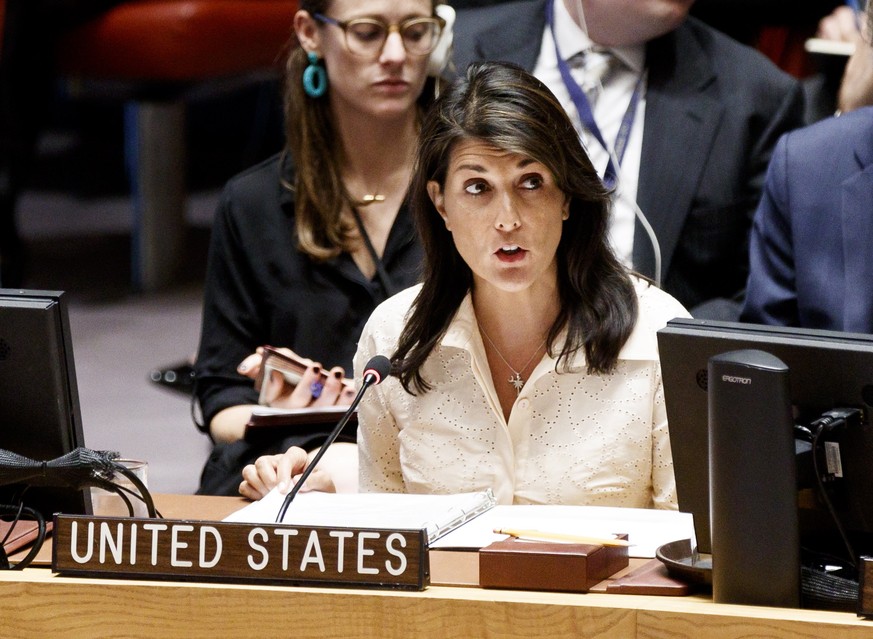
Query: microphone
point(376, 370)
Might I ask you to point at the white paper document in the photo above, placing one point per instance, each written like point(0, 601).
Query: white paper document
point(438, 514)
point(647, 529)
point(339, 411)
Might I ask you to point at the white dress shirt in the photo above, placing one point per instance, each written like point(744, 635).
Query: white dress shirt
point(609, 109)
point(571, 437)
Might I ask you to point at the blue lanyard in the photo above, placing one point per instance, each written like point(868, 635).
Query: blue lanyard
point(586, 115)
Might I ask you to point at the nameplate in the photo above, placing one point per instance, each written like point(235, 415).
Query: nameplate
point(239, 552)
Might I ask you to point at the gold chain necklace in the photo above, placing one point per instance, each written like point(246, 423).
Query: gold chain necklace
point(371, 198)
point(516, 379)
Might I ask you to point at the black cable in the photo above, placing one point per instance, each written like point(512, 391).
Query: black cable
point(14, 521)
point(33, 515)
point(144, 494)
point(104, 480)
point(110, 486)
point(73, 470)
point(820, 425)
point(79, 468)
point(4, 557)
point(803, 433)
point(196, 411)
point(384, 279)
point(37, 543)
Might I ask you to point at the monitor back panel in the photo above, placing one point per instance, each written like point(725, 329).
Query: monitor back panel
point(827, 370)
point(39, 406)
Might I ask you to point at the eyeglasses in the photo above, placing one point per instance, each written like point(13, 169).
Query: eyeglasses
point(367, 36)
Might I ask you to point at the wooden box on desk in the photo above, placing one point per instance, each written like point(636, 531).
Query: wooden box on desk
point(537, 565)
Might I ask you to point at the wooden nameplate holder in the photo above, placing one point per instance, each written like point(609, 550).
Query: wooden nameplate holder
point(536, 565)
point(187, 550)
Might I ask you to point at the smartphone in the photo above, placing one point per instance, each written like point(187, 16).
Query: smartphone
point(291, 368)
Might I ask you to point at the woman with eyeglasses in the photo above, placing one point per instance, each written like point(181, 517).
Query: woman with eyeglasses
point(307, 243)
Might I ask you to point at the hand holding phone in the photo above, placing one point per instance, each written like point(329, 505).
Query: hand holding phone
point(291, 370)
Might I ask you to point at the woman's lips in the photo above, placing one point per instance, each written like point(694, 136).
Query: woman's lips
point(510, 253)
point(393, 85)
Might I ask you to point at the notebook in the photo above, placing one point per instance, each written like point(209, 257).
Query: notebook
point(438, 514)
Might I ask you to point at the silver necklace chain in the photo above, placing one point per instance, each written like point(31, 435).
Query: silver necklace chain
point(516, 380)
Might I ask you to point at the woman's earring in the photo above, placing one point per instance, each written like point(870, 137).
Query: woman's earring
point(314, 77)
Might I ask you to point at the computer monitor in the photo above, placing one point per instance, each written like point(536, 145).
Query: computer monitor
point(827, 370)
point(40, 416)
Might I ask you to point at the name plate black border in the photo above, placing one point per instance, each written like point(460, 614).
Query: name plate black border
point(217, 551)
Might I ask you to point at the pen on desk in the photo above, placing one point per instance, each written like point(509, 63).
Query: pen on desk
point(542, 535)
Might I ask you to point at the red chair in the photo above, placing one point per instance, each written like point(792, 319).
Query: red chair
point(157, 55)
point(785, 47)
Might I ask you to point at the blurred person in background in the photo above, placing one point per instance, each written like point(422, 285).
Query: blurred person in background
point(813, 230)
point(856, 86)
point(307, 243)
point(683, 116)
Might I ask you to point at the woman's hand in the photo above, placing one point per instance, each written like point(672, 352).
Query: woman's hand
point(316, 387)
point(282, 472)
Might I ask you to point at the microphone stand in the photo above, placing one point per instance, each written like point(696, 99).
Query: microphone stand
point(370, 378)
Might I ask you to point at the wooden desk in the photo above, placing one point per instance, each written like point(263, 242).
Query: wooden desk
point(37, 603)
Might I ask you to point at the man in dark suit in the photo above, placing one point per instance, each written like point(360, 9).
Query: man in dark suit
point(811, 238)
point(813, 232)
point(712, 112)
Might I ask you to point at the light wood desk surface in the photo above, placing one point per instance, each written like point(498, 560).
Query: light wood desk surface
point(37, 603)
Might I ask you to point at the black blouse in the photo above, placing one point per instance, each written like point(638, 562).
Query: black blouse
point(260, 289)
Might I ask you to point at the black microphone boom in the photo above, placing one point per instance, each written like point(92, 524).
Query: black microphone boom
point(375, 372)
point(379, 367)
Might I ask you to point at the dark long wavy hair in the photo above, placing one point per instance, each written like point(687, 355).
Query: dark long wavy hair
point(311, 140)
point(506, 107)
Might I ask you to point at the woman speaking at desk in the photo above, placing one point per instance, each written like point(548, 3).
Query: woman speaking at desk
point(527, 360)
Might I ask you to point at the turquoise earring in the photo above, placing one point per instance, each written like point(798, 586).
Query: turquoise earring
point(314, 77)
